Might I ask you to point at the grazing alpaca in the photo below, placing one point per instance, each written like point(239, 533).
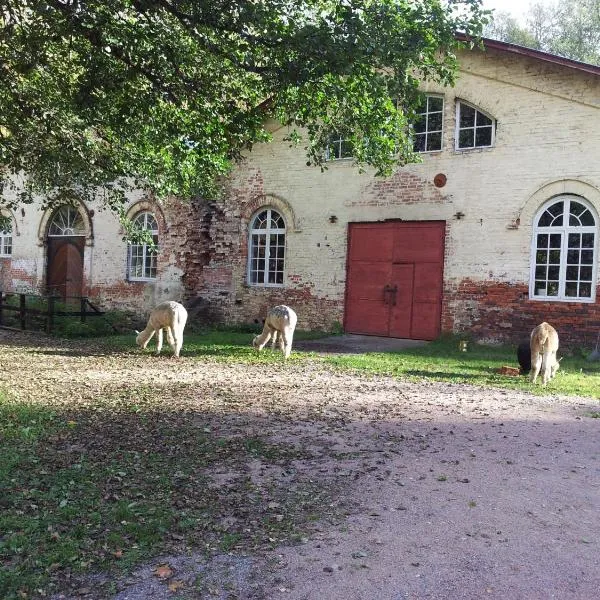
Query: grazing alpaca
point(524, 357)
point(544, 345)
point(170, 316)
point(280, 325)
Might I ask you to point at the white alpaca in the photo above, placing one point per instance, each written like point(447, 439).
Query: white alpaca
point(280, 325)
point(170, 316)
point(544, 345)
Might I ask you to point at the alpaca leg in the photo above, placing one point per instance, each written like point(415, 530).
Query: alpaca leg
point(159, 340)
point(281, 339)
point(536, 365)
point(276, 338)
point(178, 332)
point(546, 368)
point(171, 339)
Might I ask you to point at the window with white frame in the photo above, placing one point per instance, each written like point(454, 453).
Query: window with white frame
point(142, 259)
point(266, 251)
point(428, 127)
point(66, 222)
point(6, 236)
point(338, 148)
point(564, 256)
point(474, 129)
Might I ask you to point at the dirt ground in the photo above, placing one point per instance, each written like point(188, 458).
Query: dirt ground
point(449, 491)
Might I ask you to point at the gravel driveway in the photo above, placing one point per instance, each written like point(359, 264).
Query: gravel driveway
point(448, 491)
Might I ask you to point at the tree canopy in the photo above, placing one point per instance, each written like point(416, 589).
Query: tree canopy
point(168, 94)
point(570, 28)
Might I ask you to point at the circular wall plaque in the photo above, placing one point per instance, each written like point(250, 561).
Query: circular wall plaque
point(439, 180)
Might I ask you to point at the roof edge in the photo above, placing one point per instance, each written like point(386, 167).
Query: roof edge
point(531, 53)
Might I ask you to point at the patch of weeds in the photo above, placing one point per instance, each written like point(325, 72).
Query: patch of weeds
point(106, 489)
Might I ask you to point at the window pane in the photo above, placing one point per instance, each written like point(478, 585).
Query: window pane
point(540, 288)
point(587, 257)
point(585, 274)
point(541, 272)
point(571, 289)
point(556, 209)
point(434, 122)
point(466, 138)
point(435, 103)
point(573, 273)
point(420, 125)
point(419, 143)
point(482, 119)
point(467, 116)
point(542, 240)
point(541, 257)
point(483, 136)
point(587, 240)
point(585, 290)
point(553, 273)
point(587, 219)
point(555, 240)
point(554, 257)
point(434, 141)
point(552, 288)
point(574, 240)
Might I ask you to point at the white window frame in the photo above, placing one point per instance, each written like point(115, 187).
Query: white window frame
point(6, 240)
point(427, 131)
point(564, 230)
point(266, 233)
point(458, 128)
point(337, 141)
point(147, 253)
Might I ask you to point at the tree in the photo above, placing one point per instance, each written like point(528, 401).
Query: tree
point(503, 26)
point(96, 95)
point(570, 28)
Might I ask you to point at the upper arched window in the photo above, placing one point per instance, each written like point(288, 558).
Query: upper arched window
point(474, 129)
point(66, 221)
point(6, 233)
point(266, 251)
point(142, 255)
point(564, 260)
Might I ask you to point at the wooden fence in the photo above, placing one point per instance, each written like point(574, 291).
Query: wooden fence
point(46, 308)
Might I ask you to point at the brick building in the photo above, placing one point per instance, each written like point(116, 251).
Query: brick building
point(494, 231)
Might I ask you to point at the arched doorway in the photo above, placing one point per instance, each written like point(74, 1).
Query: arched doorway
point(66, 243)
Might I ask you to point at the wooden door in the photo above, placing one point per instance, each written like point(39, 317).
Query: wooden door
point(395, 275)
point(65, 265)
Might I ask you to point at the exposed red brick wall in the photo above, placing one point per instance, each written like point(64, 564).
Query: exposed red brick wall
point(400, 188)
point(503, 312)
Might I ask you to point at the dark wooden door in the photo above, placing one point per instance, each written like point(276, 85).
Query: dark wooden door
point(65, 266)
point(395, 274)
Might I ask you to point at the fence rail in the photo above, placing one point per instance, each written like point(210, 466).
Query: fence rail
point(55, 306)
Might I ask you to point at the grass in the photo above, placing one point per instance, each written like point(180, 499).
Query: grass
point(101, 488)
point(442, 360)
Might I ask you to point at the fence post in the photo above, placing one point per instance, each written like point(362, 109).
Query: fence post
point(1, 306)
point(83, 302)
point(22, 311)
point(51, 308)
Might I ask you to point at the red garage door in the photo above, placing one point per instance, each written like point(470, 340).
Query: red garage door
point(395, 273)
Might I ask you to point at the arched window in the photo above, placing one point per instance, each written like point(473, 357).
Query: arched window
point(474, 129)
point(66, 221)
point(564, 258)
point(142, 256)
point(6, 231)
point(266, 252)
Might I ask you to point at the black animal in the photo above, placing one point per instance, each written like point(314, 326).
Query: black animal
point(524, 357)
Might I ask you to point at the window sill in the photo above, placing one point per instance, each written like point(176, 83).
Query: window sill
point(140, 279)
point(563, 300)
